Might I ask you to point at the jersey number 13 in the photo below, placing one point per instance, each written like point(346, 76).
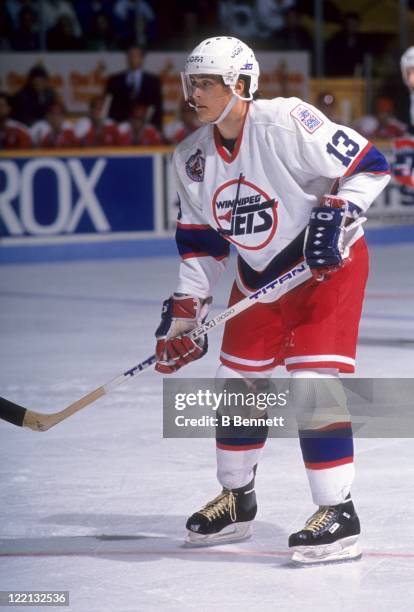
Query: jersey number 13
point(342, 147)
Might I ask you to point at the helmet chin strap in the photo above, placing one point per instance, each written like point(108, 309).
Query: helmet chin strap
point(226, 110)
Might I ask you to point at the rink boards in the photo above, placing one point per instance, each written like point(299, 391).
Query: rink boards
point(119, 202)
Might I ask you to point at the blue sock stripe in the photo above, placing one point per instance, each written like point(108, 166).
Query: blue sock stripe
point(323, 449)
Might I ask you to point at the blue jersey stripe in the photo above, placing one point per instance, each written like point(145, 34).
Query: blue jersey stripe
point(373, 161)
point(204, 240)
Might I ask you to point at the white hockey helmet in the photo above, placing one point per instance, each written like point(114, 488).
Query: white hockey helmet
point(407, 61)
point(223, 56)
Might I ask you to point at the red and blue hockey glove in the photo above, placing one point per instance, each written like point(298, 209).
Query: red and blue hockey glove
point(324, 249)
point(180, 314)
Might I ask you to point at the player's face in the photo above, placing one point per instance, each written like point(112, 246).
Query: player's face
point(209, 97)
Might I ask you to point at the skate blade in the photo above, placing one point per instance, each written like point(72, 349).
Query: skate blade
point(338, 552)
point(233, 533)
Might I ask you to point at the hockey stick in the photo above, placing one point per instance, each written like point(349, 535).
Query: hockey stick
point(38, 421)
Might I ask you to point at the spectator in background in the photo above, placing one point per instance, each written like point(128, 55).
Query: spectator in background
point(86, 12)
point(125, 12)
point(135, 85)
point(13, 134)
point(182, 28)
point(96, 130)
point(388, 124)
point(345, 50)
point(185, 124)
point(293, 36)
point(26, 36)
point(185, 23)
point(272, 16)
point(138, 130)
point(62, 36)
point(14, 8)
point(238, 18)
point(383, 124)
point(53, 10)
point(100, 36)
point(55, 131)
point(5, 27)
point(32, 101)
point(187, 32)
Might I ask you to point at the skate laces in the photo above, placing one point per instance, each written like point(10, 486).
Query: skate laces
point(225, 502)
point(320, 519)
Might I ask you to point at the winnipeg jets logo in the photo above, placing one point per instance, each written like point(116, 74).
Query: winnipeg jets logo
point(245, 214)
point(194, 166)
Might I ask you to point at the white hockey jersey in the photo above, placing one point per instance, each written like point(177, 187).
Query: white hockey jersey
point(259, 198)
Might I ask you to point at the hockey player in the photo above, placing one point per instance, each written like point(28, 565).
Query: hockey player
point(407, 71)
point(283, 184)
point(403, 165)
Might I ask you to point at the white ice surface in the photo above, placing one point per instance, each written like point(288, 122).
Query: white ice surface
point(97, 505)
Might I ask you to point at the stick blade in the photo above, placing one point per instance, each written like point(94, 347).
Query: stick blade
point(11, 412)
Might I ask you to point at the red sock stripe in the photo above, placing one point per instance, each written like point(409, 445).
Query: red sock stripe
point(325, 465)
point(229, 447)
point(338, 425)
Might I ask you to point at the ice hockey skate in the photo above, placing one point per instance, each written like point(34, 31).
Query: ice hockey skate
point(330, 535)
point(227, 518)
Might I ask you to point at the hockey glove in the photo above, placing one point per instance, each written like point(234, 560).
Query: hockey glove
point(324, 249)
point(180, 314)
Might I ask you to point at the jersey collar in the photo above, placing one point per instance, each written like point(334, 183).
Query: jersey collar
point(222, 151)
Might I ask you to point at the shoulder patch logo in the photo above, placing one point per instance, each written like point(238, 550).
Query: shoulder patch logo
point(306, 117)
point(194, 166)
